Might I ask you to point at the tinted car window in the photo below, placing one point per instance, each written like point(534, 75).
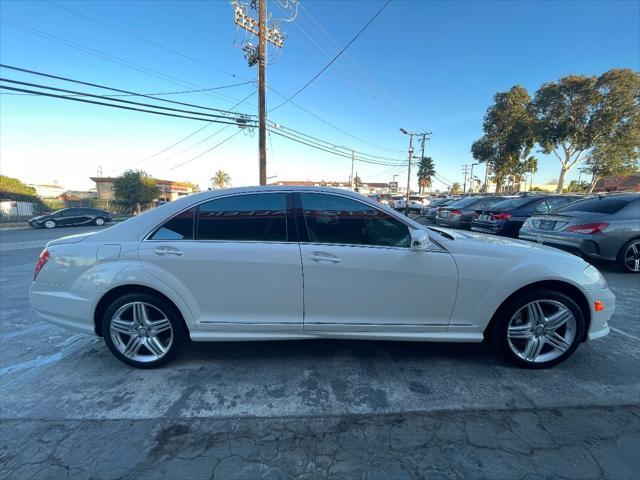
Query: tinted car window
point(512, 203)
point(596, 205)
point(542, 207)
point(259, 217)
point(339, 220)
point(179, 227)
point(464, 202)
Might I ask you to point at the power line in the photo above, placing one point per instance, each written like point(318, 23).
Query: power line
point(162, 93)
point(334, 58)
point(83, 100)
point(206, 151)
point(129, 102)
point(104, 87)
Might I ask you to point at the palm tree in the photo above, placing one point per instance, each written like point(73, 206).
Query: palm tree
point(426, 170)
point(221, 179)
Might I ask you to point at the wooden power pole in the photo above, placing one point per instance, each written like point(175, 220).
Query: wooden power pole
point(265, 34)
point(262, 100)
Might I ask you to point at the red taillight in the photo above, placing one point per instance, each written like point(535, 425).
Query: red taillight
point(42, 260)
point(501, 216)
point(456, 212)
point(588, 228)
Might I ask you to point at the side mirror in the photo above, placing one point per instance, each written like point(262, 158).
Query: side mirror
point(420, 240)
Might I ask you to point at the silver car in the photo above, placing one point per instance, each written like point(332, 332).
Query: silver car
point(606, 227)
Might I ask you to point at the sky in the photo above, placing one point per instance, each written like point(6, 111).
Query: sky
point(421, 65)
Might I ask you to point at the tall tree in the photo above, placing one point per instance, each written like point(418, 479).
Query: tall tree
point(609, 159)
point(576, 113)
point(220, 179)
point(426, 170)
point(136, 188)
point(508, 134)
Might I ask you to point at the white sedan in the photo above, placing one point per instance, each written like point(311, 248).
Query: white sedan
point(278, 263)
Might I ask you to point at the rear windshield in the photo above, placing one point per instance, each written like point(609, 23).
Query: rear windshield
point(596, 205)
point(466, 201)
point(513, 203)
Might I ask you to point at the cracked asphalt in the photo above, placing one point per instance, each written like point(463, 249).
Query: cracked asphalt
point(309, 409)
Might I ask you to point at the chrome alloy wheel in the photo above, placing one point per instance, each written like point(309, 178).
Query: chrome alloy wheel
point(141, 332)
point(541, 331)
point(49, 224)
point(632, 257)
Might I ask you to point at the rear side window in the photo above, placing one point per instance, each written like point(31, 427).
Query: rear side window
point(179, 227)
point(596, 205)
point(339, 220)
point(257, 217)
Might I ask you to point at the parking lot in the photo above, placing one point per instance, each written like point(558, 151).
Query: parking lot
point(312, 409)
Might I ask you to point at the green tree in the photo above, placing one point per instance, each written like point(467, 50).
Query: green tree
point(426, 170)
point(456, 188)
point(609, 159)
point(577, 187)
point(14, 189)
point(576, 113)
point(221, 179)
point(508, 134)
point(135, 187)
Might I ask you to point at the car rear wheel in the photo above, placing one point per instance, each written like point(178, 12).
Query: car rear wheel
point(629, 256)
point(143, 330)
point(99, 221)
point(49, 224)
point(539, 329)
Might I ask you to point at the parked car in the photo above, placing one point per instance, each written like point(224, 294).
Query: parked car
point(71, 216)
point(382, 198)
point(506, 217)
point(604, 228)
point(429, 212)
point(397, 202)
point(416, 203)
point(187, 270)
point(460, 213)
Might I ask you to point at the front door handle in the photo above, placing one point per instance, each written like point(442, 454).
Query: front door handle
point(167, 251)
point(324, 257)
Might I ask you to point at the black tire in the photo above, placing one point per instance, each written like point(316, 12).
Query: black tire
point(620, 260)
point(499, 329)
point(178, 328)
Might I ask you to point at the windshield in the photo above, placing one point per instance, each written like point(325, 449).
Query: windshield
point(596, 205)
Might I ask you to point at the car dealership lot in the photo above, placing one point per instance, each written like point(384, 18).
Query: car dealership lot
point(260, 409)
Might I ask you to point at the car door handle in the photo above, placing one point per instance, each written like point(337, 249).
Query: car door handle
point(324, 257)
point(167, 251)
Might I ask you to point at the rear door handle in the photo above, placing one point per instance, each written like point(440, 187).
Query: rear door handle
point(167, 251)
point(324, 257)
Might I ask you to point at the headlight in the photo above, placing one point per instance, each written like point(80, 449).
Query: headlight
point(595, 276)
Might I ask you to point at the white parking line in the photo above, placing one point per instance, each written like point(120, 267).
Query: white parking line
point(624, 333)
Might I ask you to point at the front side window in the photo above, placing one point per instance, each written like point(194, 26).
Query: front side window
point(179, 227)
point(257, 217)
point(340, 220)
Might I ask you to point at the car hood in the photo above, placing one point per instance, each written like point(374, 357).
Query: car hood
point(471, 243)
point(70, 239)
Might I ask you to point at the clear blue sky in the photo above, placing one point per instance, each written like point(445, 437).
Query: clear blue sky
point(421, 65)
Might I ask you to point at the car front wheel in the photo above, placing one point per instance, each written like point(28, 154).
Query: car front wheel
point(143, 330)
point(539, 329)
point(99, 221)
point(49, 224)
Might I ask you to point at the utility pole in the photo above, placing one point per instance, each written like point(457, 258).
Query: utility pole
point(406, 202)
point(353, 161)
point(465, 172)
point(471, 177)
point(260, 29)
point(262, 101)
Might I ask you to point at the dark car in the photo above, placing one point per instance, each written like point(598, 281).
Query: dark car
point(506, 217)
point(460, 213)
point(604, 227)
point(71, 216)
point(429, 212)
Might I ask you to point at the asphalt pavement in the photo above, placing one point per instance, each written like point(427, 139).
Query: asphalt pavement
point(309, 409)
